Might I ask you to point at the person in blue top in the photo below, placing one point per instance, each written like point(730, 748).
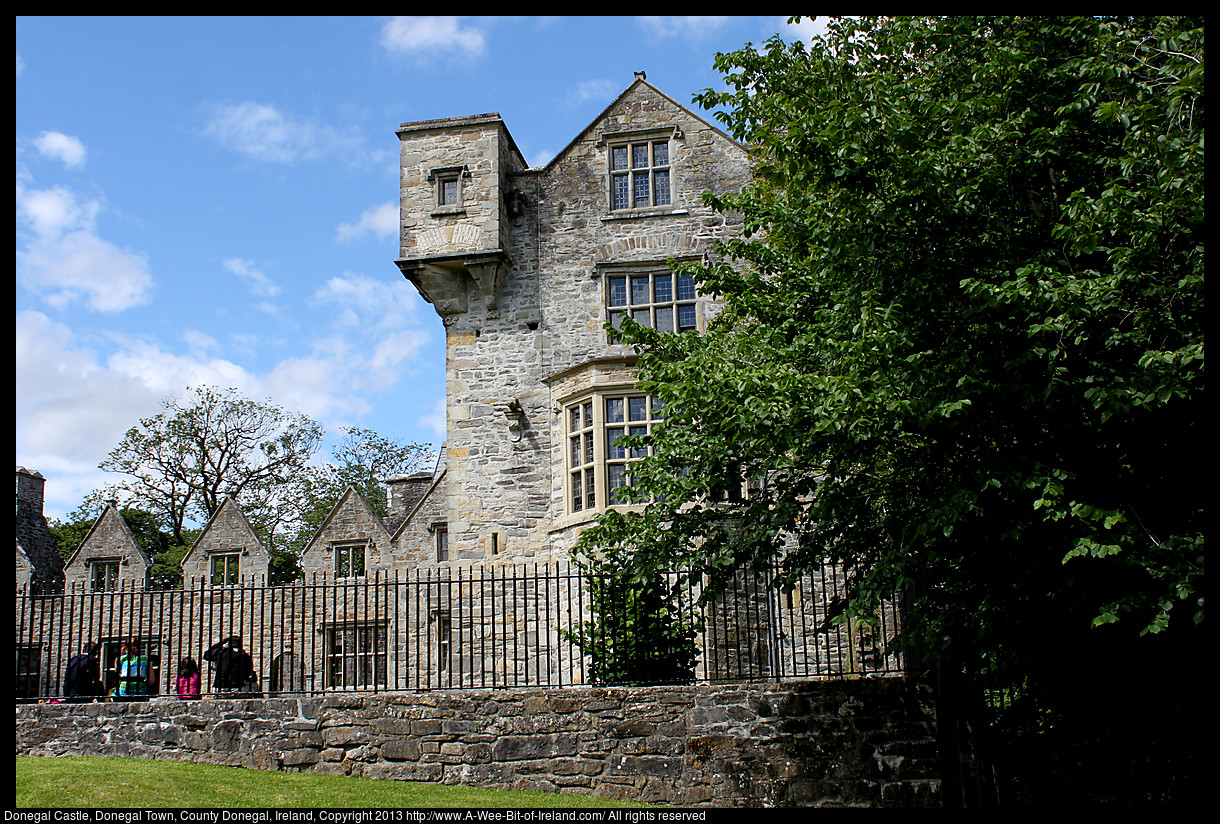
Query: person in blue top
point(132, 670)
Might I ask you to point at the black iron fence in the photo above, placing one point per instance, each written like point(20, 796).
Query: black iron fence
point(483, 626)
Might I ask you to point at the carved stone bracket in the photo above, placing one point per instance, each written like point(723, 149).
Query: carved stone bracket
point(446, 282)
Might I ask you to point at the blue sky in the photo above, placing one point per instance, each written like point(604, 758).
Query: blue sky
point(214, 201)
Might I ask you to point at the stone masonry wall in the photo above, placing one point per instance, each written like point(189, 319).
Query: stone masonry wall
point(228, 531)
point(868, 742)
point(111, 539)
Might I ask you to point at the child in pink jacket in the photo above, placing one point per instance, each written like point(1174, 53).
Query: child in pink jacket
point(187, 685)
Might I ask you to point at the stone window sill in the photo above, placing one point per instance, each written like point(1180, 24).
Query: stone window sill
point(627, 214)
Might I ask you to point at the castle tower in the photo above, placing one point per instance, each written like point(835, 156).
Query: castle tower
point(454, 244)
point(467, 244)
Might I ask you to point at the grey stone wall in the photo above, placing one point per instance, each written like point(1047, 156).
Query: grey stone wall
point(869, 742)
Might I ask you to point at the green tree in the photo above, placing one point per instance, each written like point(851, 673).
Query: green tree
point(961, 350)
point(208, 444)
point(642, 630)
point(363, 459)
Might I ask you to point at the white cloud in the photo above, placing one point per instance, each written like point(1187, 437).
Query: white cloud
point(601, 91)
point(436, 420)
point(259, 283)
point(379, 221)
point(358, 300)
point(71, 409)
point(64, 148)
point(61, 257)
point(261, 132)
point(169, 374)
point(53, 212)
point(198, 342)
point(426, 38)
point(77, 397)
point(687, 28)
point(373, 336)
point(264, 133)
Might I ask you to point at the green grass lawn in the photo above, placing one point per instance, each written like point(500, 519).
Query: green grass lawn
point(132, 782)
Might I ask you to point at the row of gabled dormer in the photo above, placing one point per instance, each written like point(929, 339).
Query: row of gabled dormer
point(352, 543)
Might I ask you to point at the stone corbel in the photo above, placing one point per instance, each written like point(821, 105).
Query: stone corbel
point(487, 274)
point(514, 414)
point(443, 288)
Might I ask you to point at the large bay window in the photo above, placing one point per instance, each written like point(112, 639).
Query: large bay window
point(597, 461)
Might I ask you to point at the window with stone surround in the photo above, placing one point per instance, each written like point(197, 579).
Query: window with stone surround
point(449, 187)
point(441, 532)
point(659, 299)
point(350, 559)
point(444, 631)
point(597, 462)
point(356, 656)
point(29, 670)
point(639, 172)
point(104, 574)
point(225, 568)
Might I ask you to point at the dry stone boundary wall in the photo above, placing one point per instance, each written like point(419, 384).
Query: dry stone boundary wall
point(868, 742)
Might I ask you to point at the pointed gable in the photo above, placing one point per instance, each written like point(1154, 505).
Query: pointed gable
point(351, 543)
point(228, 551)
point(109, 557)
point(642, 106)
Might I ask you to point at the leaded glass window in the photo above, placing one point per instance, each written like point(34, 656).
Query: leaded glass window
point(639, 174)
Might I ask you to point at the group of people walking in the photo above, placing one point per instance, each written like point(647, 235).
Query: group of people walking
point(135, 679)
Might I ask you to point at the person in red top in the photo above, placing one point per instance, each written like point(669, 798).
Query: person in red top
point(187, 685)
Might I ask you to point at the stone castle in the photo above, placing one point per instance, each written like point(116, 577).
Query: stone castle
point(525, 266)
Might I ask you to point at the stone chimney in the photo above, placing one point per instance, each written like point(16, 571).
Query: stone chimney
point(403, 492)
point(32, 532)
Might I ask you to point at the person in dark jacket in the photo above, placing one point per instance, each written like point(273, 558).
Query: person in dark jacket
point(232, 667)
point(83, 675)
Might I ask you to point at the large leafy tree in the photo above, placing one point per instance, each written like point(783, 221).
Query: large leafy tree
point(208, 444)
point(962, 346)
point(181, 463)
